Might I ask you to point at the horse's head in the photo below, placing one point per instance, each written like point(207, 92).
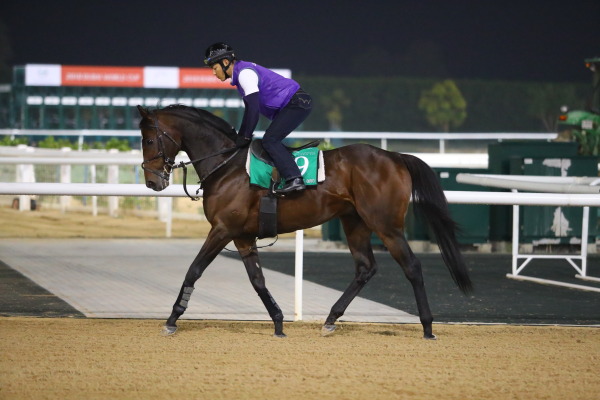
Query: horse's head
point(160, 145)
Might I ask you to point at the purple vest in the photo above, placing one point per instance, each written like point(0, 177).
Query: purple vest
point(274, 90)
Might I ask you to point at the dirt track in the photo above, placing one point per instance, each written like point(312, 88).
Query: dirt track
point(128, 359)
point(125, 359)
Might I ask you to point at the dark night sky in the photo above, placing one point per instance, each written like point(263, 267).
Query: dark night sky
point(512, 40)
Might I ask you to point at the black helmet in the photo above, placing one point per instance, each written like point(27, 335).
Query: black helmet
point(217, 52)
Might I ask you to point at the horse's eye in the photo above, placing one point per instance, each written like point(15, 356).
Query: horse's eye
point(149, 141)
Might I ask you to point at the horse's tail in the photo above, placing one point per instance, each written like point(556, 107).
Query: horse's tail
point(430, 203)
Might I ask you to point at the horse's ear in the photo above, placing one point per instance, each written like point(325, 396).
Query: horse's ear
point(143, 111)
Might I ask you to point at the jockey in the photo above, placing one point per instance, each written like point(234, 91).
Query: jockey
point(265, 92)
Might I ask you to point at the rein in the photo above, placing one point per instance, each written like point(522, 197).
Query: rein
point(202, 179)
point(170, 163)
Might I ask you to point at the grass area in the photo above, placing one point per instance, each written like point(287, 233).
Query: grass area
point(50, 223)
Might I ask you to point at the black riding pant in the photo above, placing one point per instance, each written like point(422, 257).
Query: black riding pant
point(288, 119)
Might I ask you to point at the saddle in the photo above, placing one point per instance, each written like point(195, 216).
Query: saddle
point(257, 149)
point(267, 218)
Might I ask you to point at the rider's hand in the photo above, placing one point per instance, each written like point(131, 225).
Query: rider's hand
point(241, 141)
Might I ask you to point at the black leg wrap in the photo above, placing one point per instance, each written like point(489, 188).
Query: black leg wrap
point(186, 293)
point(180, 305)
point(272, 307)
point(178, 310)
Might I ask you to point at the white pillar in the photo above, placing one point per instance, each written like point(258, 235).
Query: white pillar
point(165, 212)
point(65, 177)
point(25, 174)
point(298, 275)
point(94, 198)
point(113, 178)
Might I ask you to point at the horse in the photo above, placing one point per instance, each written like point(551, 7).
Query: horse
point(367, 188)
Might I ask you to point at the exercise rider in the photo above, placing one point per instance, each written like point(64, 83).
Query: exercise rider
point(265, 92)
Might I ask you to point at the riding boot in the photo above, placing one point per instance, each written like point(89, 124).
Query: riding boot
point(292, 185)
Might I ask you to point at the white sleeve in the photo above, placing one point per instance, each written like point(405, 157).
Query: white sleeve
point(248, 80)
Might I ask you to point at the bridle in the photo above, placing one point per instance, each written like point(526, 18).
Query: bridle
point(169, 164)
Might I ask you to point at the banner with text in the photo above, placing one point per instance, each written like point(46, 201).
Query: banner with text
point(147, 77)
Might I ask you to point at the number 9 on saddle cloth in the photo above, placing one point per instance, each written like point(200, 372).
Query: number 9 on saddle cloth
point(262, 172)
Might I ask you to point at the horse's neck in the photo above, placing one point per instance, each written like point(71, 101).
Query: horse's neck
point(201, 144)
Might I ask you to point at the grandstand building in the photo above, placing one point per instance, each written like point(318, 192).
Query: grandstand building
point(50, 96)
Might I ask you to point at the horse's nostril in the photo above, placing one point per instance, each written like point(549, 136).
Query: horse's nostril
point(151, 184)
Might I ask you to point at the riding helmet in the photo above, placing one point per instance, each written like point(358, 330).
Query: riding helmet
point(217, 52)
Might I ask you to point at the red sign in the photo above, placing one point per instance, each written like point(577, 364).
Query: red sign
point(149, 77)
point(200, 78)
point(102, 76)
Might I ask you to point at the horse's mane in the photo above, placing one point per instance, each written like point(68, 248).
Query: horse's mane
point(198, 117)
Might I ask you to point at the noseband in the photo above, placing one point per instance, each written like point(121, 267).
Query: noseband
point(169, 164)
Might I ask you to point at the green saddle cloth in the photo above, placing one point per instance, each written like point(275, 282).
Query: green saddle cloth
point(306, 159)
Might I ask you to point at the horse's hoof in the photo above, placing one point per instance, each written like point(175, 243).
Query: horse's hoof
point(327, 329)
point(168, 330)
point(431, 336)
point(280, 335)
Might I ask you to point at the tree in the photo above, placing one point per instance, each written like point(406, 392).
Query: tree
point(444, 105)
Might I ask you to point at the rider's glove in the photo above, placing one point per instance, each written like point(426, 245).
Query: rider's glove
point(241, 141)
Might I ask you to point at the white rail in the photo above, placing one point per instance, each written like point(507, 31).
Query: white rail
point(579, 190)
point(73, 160)
point(140, 190)
point(562, 184)
point(30, 155)
point(89, 189)
point(383, 137)
point(25, 157)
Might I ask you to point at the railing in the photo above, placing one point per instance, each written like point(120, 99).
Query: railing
point(25, 158)
point(383, 137)
point(578, 190)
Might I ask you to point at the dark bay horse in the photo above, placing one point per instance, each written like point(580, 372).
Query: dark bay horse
point(369, 189)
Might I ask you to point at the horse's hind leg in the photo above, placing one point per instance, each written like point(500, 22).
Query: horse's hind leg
point(402, 253)
point(249, 255)
point(359, 243)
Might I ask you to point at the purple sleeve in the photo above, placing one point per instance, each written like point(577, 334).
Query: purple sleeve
point(251, 115)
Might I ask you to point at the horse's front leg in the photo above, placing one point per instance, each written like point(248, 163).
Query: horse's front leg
point(215, 242)
point(249, 254)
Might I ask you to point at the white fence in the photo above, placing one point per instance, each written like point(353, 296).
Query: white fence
point(24, 158)
point(382, 137)
point(575, 191)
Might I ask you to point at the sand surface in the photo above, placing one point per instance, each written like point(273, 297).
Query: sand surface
point(64, 358)
point(125, 359)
